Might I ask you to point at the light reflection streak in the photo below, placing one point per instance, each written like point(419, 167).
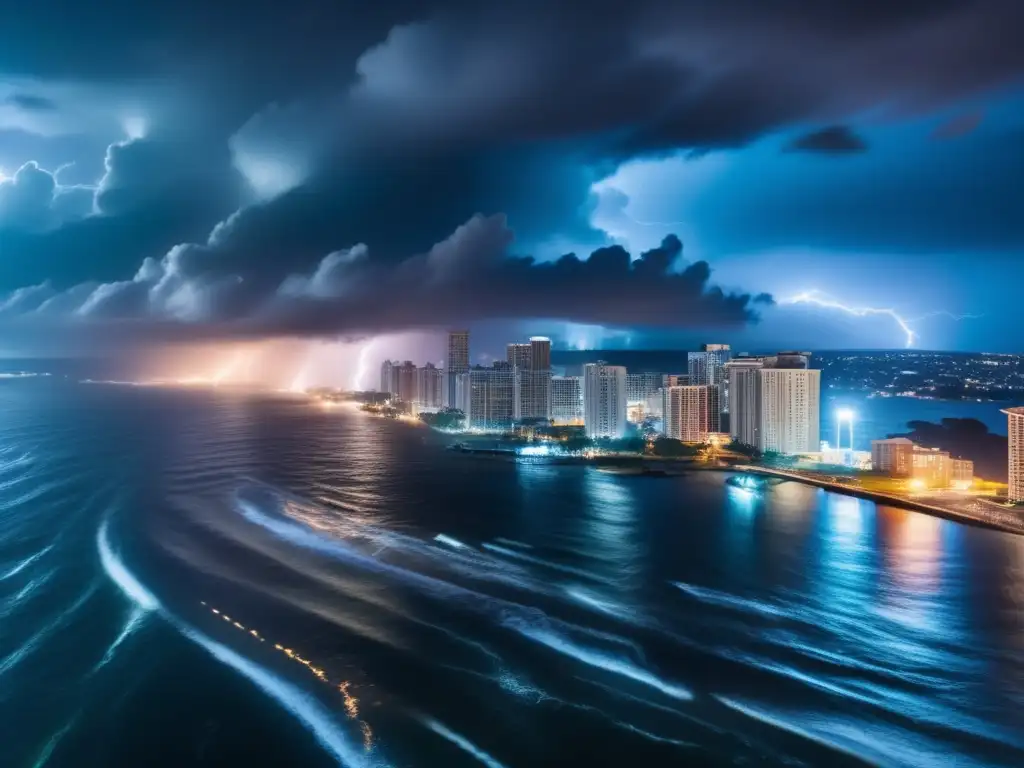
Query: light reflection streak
point(351, 703)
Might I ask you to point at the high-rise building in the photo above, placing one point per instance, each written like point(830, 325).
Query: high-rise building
point(604, 400)
point(894, 457)
point(744, 398)
point(675, 380)
point(533, 361)
point(489, 396)
point(790, 409)
point(707, 367)
point(429, 387)
point(640, 386)
point(690, 413)
point(406, 390)
point(518, 355)
point(456, 363)
point(567, 399)
point(389, 377)
point(1015, 431)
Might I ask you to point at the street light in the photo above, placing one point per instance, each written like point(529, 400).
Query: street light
point(844, 416)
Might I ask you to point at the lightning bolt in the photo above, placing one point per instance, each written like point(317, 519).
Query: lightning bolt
point(361, 366)
point(818, 299)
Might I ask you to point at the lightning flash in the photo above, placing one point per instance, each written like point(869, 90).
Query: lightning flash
point(818, 299)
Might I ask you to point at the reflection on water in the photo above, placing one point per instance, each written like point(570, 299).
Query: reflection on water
point(242, 579)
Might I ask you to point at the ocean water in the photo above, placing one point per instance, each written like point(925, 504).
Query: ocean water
point(196, 577)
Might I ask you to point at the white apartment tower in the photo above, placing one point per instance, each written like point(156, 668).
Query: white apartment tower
point(690, 413)
point(790, 410)
point(604, 400)
point(1015, 431)
point(429, 387)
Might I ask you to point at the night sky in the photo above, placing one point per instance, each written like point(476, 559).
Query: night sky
point(636, 174)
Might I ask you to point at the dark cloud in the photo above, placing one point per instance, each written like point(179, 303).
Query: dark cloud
point(30, 102)
point(390, 124)
point(959, 126)
point(471, 275)
point(831, 140)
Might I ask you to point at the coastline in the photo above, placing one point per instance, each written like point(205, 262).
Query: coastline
point(630, 465)
point(1009, 524)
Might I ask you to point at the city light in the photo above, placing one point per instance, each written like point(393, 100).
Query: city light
point(844, 416)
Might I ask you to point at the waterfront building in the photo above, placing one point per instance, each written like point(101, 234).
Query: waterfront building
point(962, 473)
point(1015, 457)
point(456, 364)
point(690, 413)
point(429, 387)
point(389, 377)
point(707, 368)
point(640, 388)
point(406, 389)
point(894, 457)
point(789, 404)
point(489, 397)
point(533, 361)
point(744, 398)
point(931, 468)
point(567, 400)
point(604, 400)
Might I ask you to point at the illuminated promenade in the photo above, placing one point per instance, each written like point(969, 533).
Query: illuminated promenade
point(973, 510)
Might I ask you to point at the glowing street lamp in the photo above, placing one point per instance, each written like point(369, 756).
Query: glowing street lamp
point(844, 416)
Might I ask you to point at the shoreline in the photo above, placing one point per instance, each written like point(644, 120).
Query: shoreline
point(879, 497)
point(1009, 523)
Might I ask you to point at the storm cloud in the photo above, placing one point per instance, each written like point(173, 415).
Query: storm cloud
point(348, 138)
point(471, 275)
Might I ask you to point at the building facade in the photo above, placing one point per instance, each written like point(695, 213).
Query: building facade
point(489, 397)
point(790, 410)
point(1015, 433)
point(690, 413)
point(389, 377)
point(567, 400)
point(962, 473)
point(456, 364)
point(894, 457)
point(533, 361)
point(429, 387)
point(407, 380)
point(604, 400)
point(744, 398)
point(707, 368)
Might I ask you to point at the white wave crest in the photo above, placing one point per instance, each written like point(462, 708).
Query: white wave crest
point(313, 715)
point(119, 573)
point(461, 742)
point(595, 658)
point(26, 563)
